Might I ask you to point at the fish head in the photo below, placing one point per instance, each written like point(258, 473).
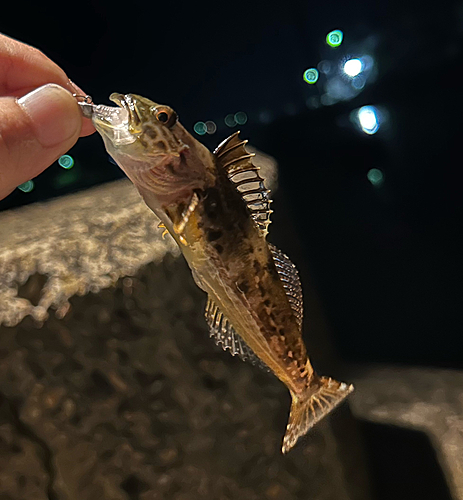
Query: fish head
point(154, 150)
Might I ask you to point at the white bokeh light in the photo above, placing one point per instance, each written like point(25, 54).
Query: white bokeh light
point(353, 67)
point(368, 119)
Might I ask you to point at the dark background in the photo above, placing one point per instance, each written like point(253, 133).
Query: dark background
point(385, 260)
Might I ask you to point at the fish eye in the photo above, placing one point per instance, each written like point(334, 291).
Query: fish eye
point(166, 116)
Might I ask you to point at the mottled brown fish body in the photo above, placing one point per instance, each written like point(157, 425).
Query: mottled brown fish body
point(242, 260)
point(217, 209)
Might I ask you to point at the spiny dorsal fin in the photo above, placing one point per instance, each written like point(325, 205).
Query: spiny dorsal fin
point(226, 337)
point(231, 155)
point(291, 282)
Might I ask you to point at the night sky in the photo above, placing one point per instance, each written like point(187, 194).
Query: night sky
point(386, 258)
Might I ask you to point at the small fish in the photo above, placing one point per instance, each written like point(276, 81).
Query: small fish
point(217, 209)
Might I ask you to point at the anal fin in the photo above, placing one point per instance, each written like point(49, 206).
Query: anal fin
point(226, 337)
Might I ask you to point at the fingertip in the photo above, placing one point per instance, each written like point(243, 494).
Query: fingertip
point(54, 114)
point(87, 127)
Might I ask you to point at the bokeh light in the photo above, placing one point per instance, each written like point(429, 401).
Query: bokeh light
point(230, 120)
point(310, 75)
point(325, 67)
point(211, 127)
point(334, 38)
point(241, 117)
point(353, 67)
point(375, 176)
point(368, 118)
point(358, 82)
point(200, 128)
point(26, 187)
point(66, 161)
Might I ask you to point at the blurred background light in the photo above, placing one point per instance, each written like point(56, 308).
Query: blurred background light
point(334, 38)
point(353, 67)
point(358, 82)
point(368, 118)
point(327, 100)
point(265, 117)
point(325, 67)
point(66, 161)
point(310, 75)
point(200, 128)
point(241, 118)
point(313, 102)
point(230, 120)
point(211, 127)
point(375, 176)
point(26, 187)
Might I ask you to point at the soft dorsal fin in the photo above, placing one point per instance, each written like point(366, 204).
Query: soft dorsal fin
point(226, 337)
point(231, 155)
point(291, 282)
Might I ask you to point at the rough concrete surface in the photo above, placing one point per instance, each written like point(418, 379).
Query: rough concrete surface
point(423, 399)
point(128, 398)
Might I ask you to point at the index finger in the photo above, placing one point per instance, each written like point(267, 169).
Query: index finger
point(24, 68)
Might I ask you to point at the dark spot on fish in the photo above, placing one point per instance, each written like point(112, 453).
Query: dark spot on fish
point(161, 146)
point(219, 248)
point(213, 235)
point(243, 286)
point(150, 132)
point(281, 331)
point(266, 302)
point(200, 224)
point(211, 203)
point(243, 223)
point(170, 168)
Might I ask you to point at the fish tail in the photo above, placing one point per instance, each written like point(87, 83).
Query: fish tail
point(323, 394)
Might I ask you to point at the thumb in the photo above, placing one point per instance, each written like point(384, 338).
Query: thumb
point(35, 131)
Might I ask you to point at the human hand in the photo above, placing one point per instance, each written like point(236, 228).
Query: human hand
point(39, 119)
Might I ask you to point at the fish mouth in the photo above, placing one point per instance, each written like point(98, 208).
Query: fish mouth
point(114, 123)
point(128, 103)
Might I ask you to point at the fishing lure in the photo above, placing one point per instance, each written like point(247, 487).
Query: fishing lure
point(216, 207)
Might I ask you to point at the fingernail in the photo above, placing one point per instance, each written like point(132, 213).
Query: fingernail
point(54, 114)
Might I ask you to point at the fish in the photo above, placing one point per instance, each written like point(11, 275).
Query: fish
point(217, 209)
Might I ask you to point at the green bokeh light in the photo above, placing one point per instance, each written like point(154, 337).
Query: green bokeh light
point(200, 128)
point(310, 75)
point(65, 179)
point(375, 176)
point(26, 187)
point(334, 38)
point(230, 120)
point(66, 161)
point(241, 117)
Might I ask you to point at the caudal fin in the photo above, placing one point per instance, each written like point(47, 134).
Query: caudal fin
point(324, 395)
